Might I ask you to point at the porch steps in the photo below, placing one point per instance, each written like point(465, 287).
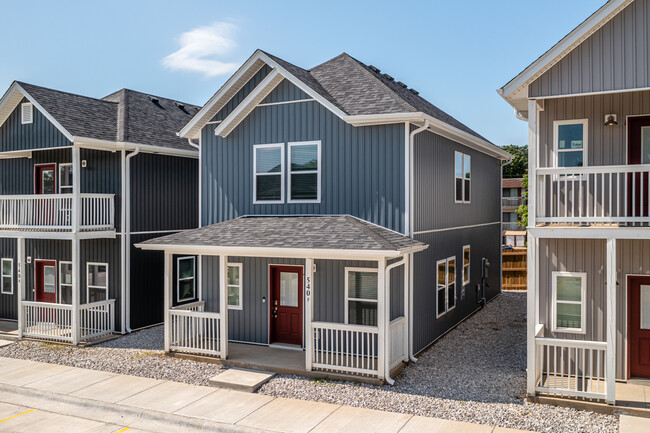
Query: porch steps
point(239, 379)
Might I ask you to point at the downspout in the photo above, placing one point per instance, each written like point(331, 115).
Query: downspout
point(191, 143)
point(389, 379)
point(123, 245)
point(127, 228)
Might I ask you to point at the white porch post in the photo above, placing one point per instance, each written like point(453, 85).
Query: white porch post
point(223, 305)
point(20, 253)
point(309, 312)
point(382, 338)
point(76, 289)
point(532, 162)
point(531, 301)
point(168, 298)
point(407, 314)
point(611, 322)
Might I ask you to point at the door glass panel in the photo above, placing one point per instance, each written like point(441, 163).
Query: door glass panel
point(47, 179)
point(288, 289)
point(49, 279)
point(645, 145)
point(645, 307)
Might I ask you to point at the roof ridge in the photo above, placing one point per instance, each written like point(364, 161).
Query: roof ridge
point(367, 230)
point(22, 83)
point(327, 61)
point(127, 90)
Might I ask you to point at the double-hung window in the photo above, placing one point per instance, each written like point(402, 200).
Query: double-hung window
point(65, 178)
point(462, 174)
point(7, 271)
point(97, 282)
point(65, 282)
point(304, 172)
point(235, 286)
point(569, 302)
point(361, 296)
point(268, 163)
point(185, 281)
point(570, 143)
point(466, 269)
point(446, 286)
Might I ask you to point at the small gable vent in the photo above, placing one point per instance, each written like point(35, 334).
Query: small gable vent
point(401, 84)
point(388, 77)
point(415, 92)
point(26, 113)
point(374, 69)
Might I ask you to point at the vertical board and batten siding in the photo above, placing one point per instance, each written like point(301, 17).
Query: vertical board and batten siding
point(164, 193)
point(17, 174)
point(484, 242)
point(615, 57)
point(9, 303)
point(240, 95)
point(606, 145)
point(147, 280)
point(41, 134)
point(362, 169)
point(285, 91)
point(102, 175)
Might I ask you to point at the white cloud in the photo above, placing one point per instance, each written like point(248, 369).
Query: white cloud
point(200, 49)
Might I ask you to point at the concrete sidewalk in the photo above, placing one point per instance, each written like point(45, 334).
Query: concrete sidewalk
point(157, 405)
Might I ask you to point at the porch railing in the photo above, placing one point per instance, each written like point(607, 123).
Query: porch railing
point(195, 331)
point(571, 367)
point(53, 212)
point(593, 195)
point(345, 348)
point(47, 321)
point(96, 319)
point(192, 306)
point(397, 354)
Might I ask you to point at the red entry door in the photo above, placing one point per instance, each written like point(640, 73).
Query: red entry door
point(638, 152)
point(638, 307)
point(286, 305)
point(45, 281)
point(45, 179)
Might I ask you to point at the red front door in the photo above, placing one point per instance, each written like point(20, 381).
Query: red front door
point(45, 179)
point(638, 152)
point(638, 308)
point(286, 305)
point(45, 281)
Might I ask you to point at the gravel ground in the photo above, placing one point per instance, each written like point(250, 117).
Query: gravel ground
point(476, 373)
point(137, 354)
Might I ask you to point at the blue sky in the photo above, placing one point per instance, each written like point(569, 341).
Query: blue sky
point(455, 53)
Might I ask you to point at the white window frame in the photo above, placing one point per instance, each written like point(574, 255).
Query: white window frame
point(239, 286)
point(317, 171)
point(61, 283)
point(446, 288)
point(2, 276)
point(178, 278)
point(255, 174)
point(556, 141)
point(582, 303)
point(23, 106)
point(88, 286)
point(462, 177)
point(347, 293)
point(60, 166)
point(469, 262)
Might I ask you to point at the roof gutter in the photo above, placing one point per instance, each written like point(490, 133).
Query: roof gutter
point(113, 146)
point(193, 144)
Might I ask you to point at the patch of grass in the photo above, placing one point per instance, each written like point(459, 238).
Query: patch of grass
point(53, 346)
point(145, 354)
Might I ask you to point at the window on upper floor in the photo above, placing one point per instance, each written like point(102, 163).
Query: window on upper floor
point(570, 137)
point(26, 113)
point(268, 161)
point(304, 172)
point(65, 178)
point(569, 302)
point(462, 177)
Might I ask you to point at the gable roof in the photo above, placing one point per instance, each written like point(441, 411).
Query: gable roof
point(124, 116)
point(515, 92)
point(513, 183)
point(350, 89)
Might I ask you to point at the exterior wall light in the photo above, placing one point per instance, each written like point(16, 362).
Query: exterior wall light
point(610, 120)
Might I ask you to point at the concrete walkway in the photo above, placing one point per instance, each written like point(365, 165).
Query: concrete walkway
point(118, 402)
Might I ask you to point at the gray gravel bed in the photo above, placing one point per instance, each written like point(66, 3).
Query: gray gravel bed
point(137, 354)
point(476, 373)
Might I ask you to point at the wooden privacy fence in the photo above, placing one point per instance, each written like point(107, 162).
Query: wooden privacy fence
point(514, 269)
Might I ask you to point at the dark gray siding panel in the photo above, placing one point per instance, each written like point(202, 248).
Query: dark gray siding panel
point(362, 168)
point(434, 187)
point(164, 193)
point(243, 93)
point(9, 303)
point(38, 135)
point(615, 57)
point(102, 175)
point(17, 175)
point(103, 251)
point(147, 284)
point(285, 91)
point(483, 242)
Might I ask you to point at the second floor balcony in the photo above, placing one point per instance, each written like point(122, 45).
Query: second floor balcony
point(53, 212)
point(593, 196)
point(512, 202)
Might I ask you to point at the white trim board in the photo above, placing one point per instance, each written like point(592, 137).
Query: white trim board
point(455, 228)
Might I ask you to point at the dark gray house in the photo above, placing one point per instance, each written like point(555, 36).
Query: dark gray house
point(341, 214)
point(82, 180)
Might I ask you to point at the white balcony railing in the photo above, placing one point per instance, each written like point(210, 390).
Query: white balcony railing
point(195, 331)
point(345, 348)
point(397, 347)
point(593, 195)
point(96, 320)
point(53, 212)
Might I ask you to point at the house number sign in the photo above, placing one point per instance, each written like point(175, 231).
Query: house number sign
point(308, 287)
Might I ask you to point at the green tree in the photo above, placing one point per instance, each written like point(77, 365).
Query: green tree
point(523, 209)
point(519, 165)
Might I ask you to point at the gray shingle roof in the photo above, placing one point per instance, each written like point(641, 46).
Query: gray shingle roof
point(125, 115)
point(315, 232)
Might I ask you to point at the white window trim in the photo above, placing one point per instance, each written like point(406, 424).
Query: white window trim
point(255, 174)
point(239, 286)
point(61, 283)
point(318, 171)
point(462, 177)
point(583, 303)
point(179, 279)
point(31, 113)
point(446, 288)
point(60, 166)
point(348, 298)
point(89, 286)
point(469, 263)
point(585, 140)
point(2, 277)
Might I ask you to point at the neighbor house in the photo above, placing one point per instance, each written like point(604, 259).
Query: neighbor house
point(342, 215)
point(81, 180)
point(512, 199)
point(587, 104)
